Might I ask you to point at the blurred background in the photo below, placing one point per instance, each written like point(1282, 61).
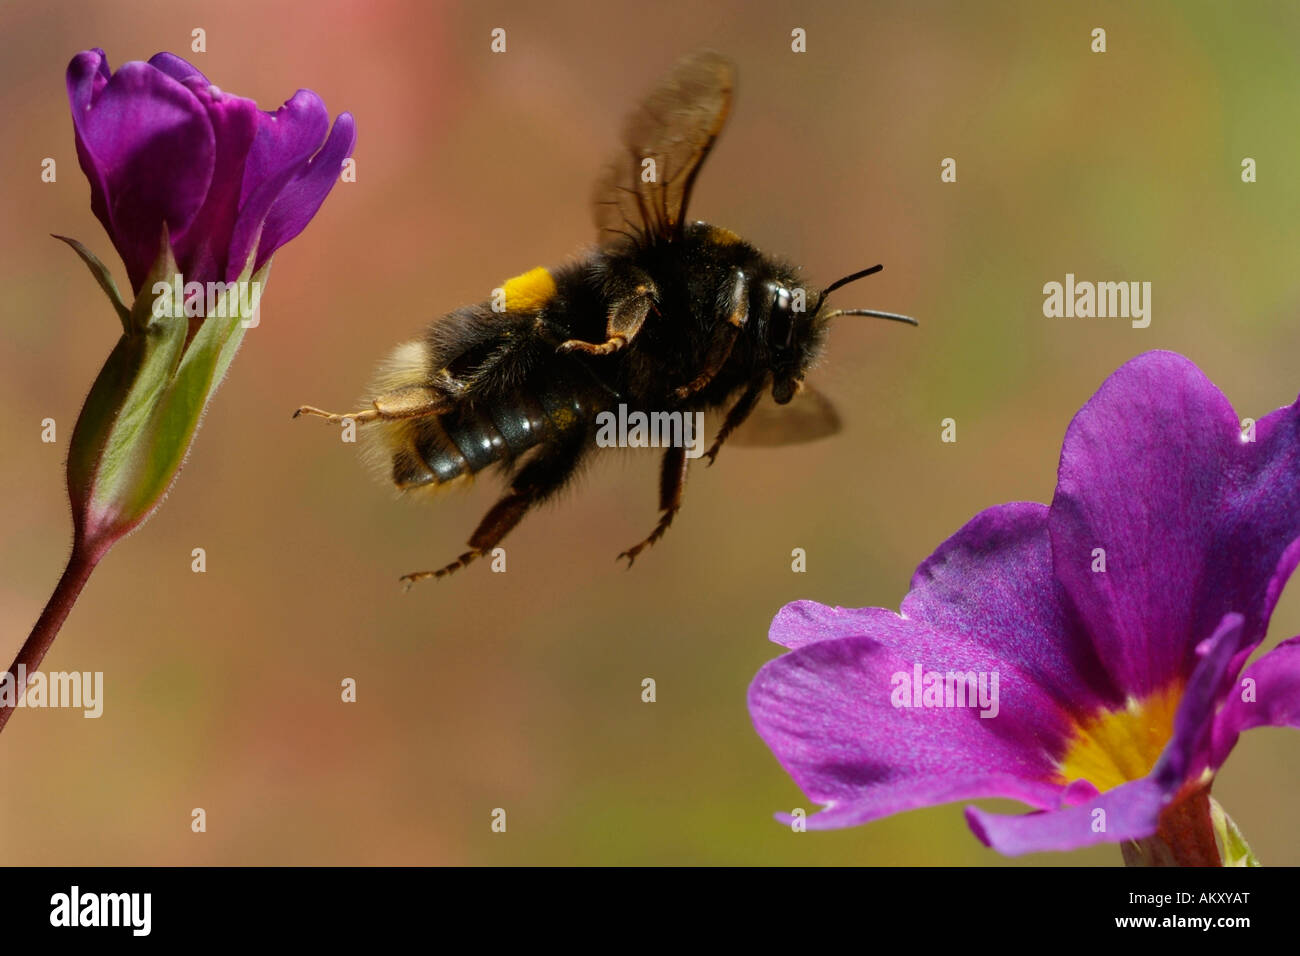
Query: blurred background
point(522, 690)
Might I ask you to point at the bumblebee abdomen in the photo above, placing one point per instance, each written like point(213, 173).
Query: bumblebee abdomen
point(453, 447)
point(462, 443)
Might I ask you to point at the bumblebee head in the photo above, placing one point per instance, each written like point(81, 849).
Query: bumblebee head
point(791, 334)
point(794, 332)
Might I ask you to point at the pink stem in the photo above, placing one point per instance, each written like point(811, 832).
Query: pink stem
point(1185, 837)
point(30, 655)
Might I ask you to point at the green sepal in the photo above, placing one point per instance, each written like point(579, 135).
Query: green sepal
point(120, 403)
point(201, 369)
point(103, 277)
point(1236, 852)
point(138, 421)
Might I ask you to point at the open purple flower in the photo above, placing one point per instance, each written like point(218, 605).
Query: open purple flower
point(1085, 659)
point(160, 144)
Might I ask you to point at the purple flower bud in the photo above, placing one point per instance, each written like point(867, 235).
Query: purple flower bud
point(194, 185)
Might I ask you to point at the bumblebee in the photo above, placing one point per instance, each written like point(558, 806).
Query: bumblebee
point(664, 315)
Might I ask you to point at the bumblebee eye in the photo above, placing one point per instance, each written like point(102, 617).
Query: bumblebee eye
point(780, 323)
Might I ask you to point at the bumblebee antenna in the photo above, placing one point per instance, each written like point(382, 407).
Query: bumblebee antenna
point(840, 283)
point(874, 314)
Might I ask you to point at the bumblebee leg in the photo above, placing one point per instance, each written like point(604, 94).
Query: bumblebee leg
point(626, 316)
point(672, 482)
point(334, 418)
point(736, 417)
point(723, 340)
point(536, 481)
point(414, 402)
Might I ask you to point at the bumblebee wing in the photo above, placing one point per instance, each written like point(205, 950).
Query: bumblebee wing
point(675, 126)
point(806, 417)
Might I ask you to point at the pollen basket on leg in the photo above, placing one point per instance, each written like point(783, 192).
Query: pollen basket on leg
point(530, 291)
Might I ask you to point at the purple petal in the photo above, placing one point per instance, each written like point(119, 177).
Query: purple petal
point(88, 74)
point(300, 200)
point(992, 584)
point(201, 250)
point(182, 71)
point(1130, 811)
point(1258, 542)
point(286, 140)
point(807, 622)
point(1267, 695)
point(146, 145)
point(929, 792)
point(826, 711)
point(1078, 791)
point(1193, 521)
point(1188, 753)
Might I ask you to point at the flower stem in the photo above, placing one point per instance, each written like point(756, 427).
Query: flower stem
point(1185, 837)
point(30, 655)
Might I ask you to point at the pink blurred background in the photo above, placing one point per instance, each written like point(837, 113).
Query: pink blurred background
point(522, 690)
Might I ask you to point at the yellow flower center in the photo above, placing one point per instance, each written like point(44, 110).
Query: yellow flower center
point(1115, 746)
